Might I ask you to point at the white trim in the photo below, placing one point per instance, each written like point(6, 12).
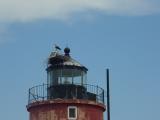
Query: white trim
point(72, 118)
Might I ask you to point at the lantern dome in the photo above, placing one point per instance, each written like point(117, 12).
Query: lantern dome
point(57, 60)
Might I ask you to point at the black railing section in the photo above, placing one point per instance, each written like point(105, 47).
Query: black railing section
point(66, 91)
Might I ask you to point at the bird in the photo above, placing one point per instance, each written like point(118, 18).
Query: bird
point(57, 47)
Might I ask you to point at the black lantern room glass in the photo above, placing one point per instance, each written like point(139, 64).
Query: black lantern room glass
point(66, 76)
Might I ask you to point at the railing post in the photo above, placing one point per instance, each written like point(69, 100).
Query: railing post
point(97, 93)
point(29, 96)
point(36, 93)
point(43, 91)
point(103, 97)
point(76, 92)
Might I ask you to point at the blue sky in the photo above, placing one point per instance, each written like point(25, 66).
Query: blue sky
point(119, 35)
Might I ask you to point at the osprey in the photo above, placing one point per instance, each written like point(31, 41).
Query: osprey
point(57, 47)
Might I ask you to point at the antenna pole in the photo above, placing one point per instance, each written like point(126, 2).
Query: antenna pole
point(108, 95)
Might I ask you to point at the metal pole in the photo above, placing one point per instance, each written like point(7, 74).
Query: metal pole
point(108, 95)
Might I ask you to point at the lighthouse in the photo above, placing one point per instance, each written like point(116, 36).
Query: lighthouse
point(66, 95)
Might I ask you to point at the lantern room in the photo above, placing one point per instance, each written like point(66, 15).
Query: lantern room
point(66, 78)
point(62, 69)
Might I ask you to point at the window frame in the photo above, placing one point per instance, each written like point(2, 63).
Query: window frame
point(72, 107)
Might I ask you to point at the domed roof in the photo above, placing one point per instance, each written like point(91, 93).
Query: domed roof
point(58, 60)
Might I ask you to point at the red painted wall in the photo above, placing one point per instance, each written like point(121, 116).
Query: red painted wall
point(57, 110)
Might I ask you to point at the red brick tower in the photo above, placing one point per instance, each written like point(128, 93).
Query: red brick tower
point(66, 96)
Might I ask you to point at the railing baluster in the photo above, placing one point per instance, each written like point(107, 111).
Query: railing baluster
point(43, 91)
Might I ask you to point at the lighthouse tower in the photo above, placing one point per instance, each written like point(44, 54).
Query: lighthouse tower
point(66, 95)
